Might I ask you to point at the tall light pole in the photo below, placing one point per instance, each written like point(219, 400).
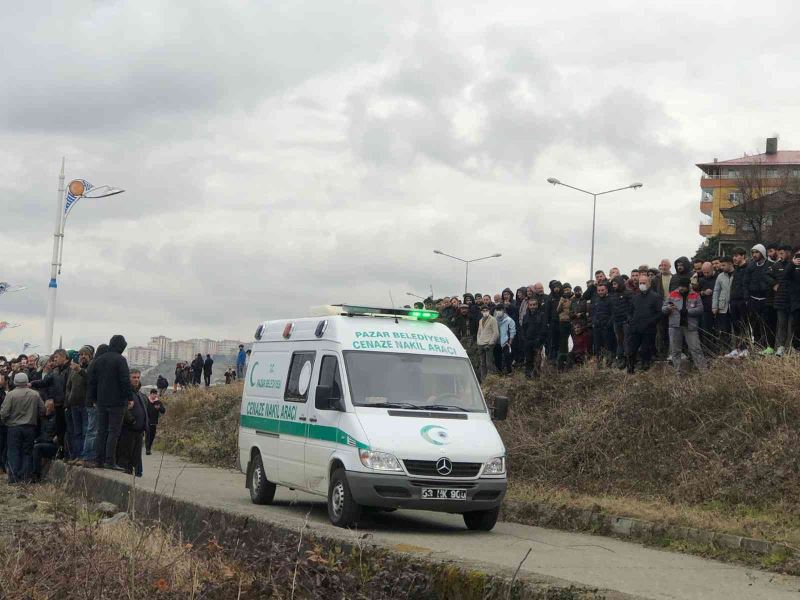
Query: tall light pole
point(466, 263)
point(594, 195)
point(67, 198)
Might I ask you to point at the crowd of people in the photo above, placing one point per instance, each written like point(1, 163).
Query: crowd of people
point(727, 306)
point(85, 407)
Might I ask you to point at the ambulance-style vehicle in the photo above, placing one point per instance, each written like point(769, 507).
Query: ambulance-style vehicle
point(371, 408)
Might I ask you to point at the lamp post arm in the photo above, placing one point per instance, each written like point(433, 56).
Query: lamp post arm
point(482, 258)
point(451, 256)
point(627, 187)
point(577, 188)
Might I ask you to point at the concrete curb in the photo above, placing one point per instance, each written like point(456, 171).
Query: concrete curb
point(201, 523)
point(595, 521)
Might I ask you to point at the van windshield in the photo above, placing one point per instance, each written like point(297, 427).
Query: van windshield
point(412, 381)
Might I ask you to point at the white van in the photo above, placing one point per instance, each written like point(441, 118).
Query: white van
point(370, 407)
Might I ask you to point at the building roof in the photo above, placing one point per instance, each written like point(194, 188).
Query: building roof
point(781, 157)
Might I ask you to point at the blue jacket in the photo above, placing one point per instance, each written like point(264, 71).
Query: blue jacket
point(507, 329)
point(241, 358)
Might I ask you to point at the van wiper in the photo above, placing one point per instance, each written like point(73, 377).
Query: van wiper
point(445, 407)
point(392, 405)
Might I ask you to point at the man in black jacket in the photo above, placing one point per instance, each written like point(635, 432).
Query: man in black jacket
point(551, 315)
point(780, 299)
point(792, 279)
point(602, 324)
point(155, 408)
point(134, 425)
point(197, 369)
point(534, 326)
point(645, 312)
point(758, 287)
point(208, 365)
point(110, 390)
point(53, 386)
point(738, 301)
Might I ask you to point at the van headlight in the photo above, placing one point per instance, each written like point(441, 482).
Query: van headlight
point(380, 461)
point(495, 466)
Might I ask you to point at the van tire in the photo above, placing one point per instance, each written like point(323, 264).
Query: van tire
point(261, 490)
point(481, 520)
point(343, 511)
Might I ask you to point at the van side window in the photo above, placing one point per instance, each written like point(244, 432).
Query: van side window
point(299, 379)
point(329, 376)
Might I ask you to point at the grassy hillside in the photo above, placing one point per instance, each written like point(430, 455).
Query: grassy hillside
point(719, 449)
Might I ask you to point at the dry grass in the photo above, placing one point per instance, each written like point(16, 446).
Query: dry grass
point(721, 448)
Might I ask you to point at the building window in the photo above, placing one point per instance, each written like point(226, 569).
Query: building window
point(773, 173)
point(735, 196)
point(731, 222)
point(708, 196)
point(731, 173)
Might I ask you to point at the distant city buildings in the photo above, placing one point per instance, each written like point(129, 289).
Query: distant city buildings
point(161, 348)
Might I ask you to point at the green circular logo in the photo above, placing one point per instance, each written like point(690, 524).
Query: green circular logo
point(252, 372)
point(435, 434)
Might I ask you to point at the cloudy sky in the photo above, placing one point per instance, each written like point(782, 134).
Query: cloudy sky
point(280, 155)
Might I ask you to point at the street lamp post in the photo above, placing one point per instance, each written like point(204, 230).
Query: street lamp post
point(594, 195)
point(466, 263)
point(67, 198)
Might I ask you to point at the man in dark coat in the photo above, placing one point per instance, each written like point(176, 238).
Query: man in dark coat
point(534, 327)
point(162, 384)
point(602, 324)
point(155, 408)
point(792, 279)
point(134, 425)
point(197, 369)
point(645, 312)
point(208, 365)
point(758, 287)
point(53, 386)
point(780, 299)
point(110, 389)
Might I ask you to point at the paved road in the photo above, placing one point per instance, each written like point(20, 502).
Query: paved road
point(590, 560)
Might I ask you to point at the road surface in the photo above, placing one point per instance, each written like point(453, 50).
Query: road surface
point(584, 559)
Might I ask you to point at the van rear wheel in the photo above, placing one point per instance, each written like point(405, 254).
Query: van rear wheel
point(261, 490)
point(343, 511)
point(481, 520)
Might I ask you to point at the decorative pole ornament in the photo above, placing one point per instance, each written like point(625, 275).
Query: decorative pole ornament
point(7, 287)
point(67, 198)
point(6, 325)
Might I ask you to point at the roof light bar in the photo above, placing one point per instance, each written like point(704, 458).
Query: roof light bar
point(353, 310)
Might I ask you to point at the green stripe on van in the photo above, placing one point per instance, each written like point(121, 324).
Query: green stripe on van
point(309, 430)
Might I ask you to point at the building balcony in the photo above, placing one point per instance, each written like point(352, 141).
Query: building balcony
point(705, 230)
point(706, 207)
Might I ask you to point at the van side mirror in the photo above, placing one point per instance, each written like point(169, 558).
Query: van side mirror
point(500, 408)
point(324, 399)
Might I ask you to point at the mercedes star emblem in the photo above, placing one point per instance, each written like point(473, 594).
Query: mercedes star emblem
point(444, 466)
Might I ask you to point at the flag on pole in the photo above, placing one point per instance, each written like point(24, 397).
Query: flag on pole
point(7, 325)
point(80, 188)
point(7, 287)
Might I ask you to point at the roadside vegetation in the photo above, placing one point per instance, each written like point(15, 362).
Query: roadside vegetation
point(717, 450)
point(113, 557)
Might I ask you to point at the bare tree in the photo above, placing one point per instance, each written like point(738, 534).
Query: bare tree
point(754, 197)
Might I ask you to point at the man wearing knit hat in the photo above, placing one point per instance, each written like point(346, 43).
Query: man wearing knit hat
point(20, 413)
point(758, 290)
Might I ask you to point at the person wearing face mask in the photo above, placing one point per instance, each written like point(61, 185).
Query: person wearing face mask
point(645, 312)
point(508, 331)
point(684, 308)
point(488, 334)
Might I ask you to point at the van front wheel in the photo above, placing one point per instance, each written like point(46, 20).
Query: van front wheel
point(481, 520)
point(261, 490)
point(342, 509)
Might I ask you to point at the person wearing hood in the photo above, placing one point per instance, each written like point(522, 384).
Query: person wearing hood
point(683, 266)
point(77, 385)
point(684, 308)
point(551, 314)
point(488, 336)
point(507, 330)
point(758, 288)
point(110, 387)
point(162, 384)
point(473, 315)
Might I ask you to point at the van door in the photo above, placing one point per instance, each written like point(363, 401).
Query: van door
point(323, 424)
point(293, 419)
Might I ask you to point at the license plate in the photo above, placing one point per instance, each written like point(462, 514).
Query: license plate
point(443, 494)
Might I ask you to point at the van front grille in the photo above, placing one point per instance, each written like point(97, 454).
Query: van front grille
point(427, 468)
